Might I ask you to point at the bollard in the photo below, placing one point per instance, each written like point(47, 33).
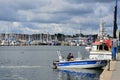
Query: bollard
point(108, 65)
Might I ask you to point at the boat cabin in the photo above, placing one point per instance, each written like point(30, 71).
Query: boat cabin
point(100, 47)
point(100, 51)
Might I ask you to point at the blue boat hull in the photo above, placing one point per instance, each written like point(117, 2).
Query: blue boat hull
point(82, 64)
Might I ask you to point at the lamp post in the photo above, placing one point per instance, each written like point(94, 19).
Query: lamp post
point(115, 28)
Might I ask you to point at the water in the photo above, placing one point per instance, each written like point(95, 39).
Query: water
point(35, 63)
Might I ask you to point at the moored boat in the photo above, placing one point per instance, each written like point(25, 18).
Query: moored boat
point(82, 64)
point(79, 63)
point(102, 46)
point(100, 51)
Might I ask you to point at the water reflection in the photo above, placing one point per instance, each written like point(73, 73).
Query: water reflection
point(79, 74)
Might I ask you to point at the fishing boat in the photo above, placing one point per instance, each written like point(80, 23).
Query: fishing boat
point(78, 63)
point(101, 48)
point(100, 51)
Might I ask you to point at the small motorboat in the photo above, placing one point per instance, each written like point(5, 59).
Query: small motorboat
point(79, 63)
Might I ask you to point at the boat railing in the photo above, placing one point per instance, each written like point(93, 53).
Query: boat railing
point(60, 57)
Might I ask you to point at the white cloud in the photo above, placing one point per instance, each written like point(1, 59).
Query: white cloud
point(16, 24)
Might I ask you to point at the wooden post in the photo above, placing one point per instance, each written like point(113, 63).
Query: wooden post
point(108, 65)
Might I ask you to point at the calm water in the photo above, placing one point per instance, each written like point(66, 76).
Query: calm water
point(35, 63)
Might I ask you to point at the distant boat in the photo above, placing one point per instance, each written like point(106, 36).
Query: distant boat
point(79, 63)
point(4, 43)
point(88, 47)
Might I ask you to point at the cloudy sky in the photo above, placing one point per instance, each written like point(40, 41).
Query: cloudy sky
point(56, 16)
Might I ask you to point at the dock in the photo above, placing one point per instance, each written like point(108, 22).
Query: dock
point(112, 72)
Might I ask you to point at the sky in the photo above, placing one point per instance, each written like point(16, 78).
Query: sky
point(57, 16)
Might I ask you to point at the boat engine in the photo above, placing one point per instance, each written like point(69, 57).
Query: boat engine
point(55, 64)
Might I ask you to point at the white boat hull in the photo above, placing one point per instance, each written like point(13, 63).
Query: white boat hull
point(82, 64)
point(100, 55)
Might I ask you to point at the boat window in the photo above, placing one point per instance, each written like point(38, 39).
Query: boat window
point(106, 48)
point(103, 47)
point(100, 47)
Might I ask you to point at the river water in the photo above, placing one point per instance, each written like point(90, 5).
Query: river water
point(35, 63)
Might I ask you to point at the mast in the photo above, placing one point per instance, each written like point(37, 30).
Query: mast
point(102, 30)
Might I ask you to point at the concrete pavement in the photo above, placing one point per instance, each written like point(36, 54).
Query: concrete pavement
point(114, 72)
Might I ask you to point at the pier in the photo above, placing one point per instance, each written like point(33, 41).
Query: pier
point(112, 70)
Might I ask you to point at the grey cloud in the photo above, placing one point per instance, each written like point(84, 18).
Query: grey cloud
point(89, 1)
point(78, 10)
point(30, 13)
point(9, 9)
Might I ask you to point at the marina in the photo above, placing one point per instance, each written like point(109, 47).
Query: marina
point(60, 40)
point(13, 39)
